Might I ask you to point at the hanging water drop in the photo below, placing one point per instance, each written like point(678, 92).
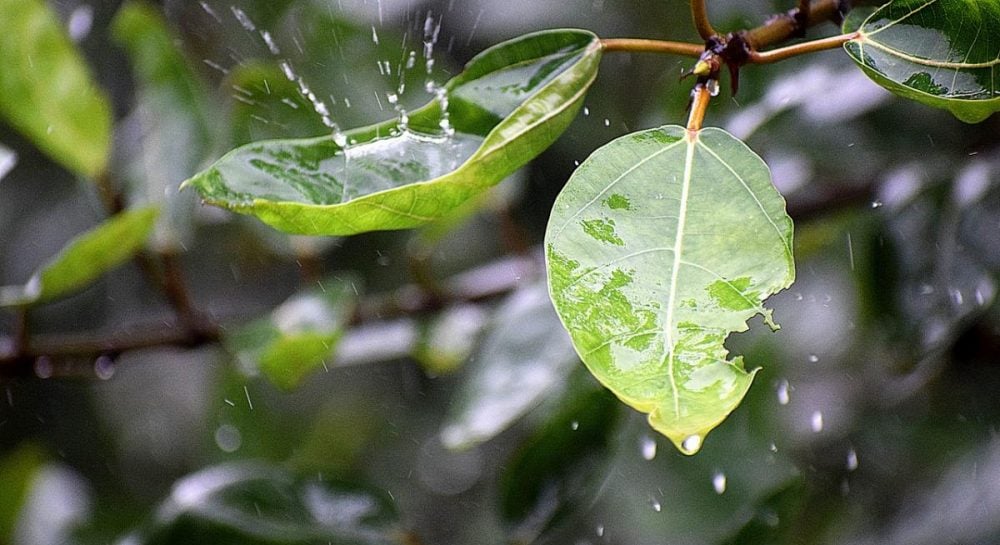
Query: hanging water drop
point(43, 367)
point(719, 482)
point(648, 448)
point(104, 368)
point(691, 444)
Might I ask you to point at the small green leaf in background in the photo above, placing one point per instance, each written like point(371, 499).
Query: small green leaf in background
point(256, 504)
point(46, 90)
point(525, 357)
point(299, 336)
point(450, 338)
point(269, 105)
point(86, 258)
point(17, 471)
point(943, 53)
point(172, 129)
point(662, 244)
point(511, 102)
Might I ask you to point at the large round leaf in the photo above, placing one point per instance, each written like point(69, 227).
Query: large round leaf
point(663, 243)
point(943, 53)
point(511, 102)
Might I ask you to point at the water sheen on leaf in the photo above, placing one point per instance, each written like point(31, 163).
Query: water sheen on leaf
point(662, 244)
point(943, 53)
point(511, 102)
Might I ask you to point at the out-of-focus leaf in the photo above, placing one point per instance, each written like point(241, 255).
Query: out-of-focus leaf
point(171, 131)
point(299, 336)
point(46, 90)
point(450, 338)
point(524, 358)
point(17, 470)
point(254, 504)
point(511, 102)
point(943, 53)
point(662, 244)
point(85, 258)
point(557, 466)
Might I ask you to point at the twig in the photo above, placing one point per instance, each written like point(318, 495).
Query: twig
point(782, 27)
point(176, 291)
point(699, 104)
point(780, 54)
point(639, 45)
point(699, 14)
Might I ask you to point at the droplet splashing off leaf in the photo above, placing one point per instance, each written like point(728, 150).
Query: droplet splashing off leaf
point(650, 297)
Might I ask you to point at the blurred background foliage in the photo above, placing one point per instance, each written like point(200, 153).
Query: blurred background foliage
point(453, 410)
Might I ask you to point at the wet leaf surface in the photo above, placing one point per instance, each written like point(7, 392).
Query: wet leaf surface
point(659, 247)
point(46, 90)
point(511, 102)
point(943, 53)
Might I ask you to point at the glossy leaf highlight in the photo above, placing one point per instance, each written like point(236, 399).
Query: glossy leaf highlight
point(511, 102)
point(85, 258)
point(943, 53)
point(46, 90)
point(662, 244)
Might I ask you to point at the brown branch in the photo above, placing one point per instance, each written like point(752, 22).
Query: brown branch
point(639, 45)
point(780, 54)
point(699, 105)
point(699, 14)
point(788, 25)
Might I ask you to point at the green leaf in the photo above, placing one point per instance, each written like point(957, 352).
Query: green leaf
point(511, 102)
point(256, 504)
point(524, 358)
point(943, 53)
point(46, 90)
point(662, 244)
point(299, 336)
point(18, 469)
point(85, 258)
point(170, 132)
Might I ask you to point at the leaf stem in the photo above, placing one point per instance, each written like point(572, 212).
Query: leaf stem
point(639, 45)
point(782, 53)
point(699, 105)
point(699, 14)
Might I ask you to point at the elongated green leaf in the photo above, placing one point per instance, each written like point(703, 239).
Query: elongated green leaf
point(85, 258)
point(511, 102)
point(943, 53)
point(46, 91)
point(663, 243)
point(299, 336)
point(256, 504)
point(170, 132)
point(526, 357)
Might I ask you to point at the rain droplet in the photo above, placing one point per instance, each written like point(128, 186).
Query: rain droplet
point(783, 390)
point(104, 368)
point(586, 111)
point(852, 460)
point(691, 444)
point(648, 448)
point(600, 530)
point(80, 22)
point(574, 425)
point(656, 505)
point(813, 358)
point(877, 204)
point(816, 421)
point(43, 367)
point(607, 122)
point(242, 17)
point(228, 438)
point(719, 482)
